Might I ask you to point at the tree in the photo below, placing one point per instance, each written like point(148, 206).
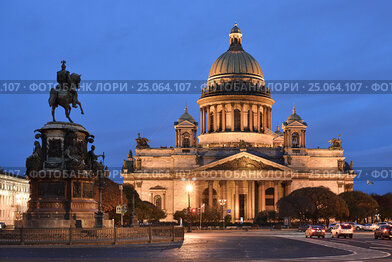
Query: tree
point(148, 211)
point(360, 205)
point(384, 205)
point(312, 203)
point(130, 193)
point(227, 219)
point(212, 215)
point(111, 197)
point(185, 216)
point(297, 205)
point(261, 218)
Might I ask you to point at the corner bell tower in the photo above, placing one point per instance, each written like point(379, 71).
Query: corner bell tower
point(294, 130)
point(186, 129)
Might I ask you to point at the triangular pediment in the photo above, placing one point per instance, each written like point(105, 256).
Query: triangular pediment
point(185, 123)
point(296, 124)
point(244, 161)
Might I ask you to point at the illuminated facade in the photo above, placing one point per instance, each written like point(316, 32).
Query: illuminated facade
point(237, 158)
point(14, 195)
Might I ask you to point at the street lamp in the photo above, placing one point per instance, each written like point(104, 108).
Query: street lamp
point(122, 207)
point(222, 203)
point(189, 189)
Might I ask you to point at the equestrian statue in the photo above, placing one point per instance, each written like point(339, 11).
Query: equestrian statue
point(65, 92)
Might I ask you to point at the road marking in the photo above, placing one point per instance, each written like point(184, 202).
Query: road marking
point(389, 248)
point(357, 253)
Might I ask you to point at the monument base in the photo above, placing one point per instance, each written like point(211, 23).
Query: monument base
point(64, 178)
point(50, 220)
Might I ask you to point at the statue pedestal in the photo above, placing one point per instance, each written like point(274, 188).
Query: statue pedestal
point(63, 179)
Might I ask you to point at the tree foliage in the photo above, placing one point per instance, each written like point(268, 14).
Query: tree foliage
point(312, 203)
point(148, 211)
point(360, 205)
point(131, 195)
point(384, 205)
point(110, 196)
point(210, 215)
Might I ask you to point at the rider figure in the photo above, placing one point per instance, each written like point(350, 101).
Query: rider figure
point(65, 82)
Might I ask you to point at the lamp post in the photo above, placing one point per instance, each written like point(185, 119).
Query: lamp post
point(222, 203)
point(101, 175)
point(122, 208)
point(189, 189)
point(201, 212)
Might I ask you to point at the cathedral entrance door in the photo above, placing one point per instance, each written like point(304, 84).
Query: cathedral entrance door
point(242, 205)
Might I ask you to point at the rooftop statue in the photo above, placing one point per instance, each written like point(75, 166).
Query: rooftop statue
point(142, 142)
point(336, 143)
point(65, 92)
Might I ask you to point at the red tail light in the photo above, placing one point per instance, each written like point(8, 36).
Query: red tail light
point(385, 230)
point(313, 230)
point(323, 231)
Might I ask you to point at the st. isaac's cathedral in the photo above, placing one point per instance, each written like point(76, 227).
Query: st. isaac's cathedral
point(238, 161)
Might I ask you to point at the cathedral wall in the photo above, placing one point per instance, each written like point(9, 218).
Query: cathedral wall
point(227, 138)
point(324, 152)
point(154, 152)
point(184, 161)
point(162, 162)
point(332, 185)
point(315, 162)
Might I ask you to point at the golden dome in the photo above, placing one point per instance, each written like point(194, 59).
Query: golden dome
point(235, 63)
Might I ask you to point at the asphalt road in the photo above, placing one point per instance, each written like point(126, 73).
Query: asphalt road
point(217, 246)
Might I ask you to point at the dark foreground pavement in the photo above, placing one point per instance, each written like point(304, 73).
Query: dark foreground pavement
point(227, 246)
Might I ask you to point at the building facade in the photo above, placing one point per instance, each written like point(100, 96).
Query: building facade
point(14, 196)
point(237, 163)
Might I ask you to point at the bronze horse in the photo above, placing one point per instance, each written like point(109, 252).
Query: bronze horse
point(64, 98)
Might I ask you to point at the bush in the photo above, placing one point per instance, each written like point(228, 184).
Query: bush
point(148, 211)
point(261, 218)
point(227, 219)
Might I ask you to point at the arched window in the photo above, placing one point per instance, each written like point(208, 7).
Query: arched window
point(237, 120)
point(295, 139)
point(158, 201)
point(269, 196)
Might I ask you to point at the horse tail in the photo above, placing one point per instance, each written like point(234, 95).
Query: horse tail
point(53, 97)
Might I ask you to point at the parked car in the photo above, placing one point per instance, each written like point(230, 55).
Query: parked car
point(2, 225)
point(303, 227)
point(345, 230)
point(318, 231)
point(323, 227)
point(330, 226)
point(370, 227)
point(356, 226)
point(383, 232)
point(380, 224)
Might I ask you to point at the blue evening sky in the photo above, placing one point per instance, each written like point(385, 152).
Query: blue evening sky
point(137, 40)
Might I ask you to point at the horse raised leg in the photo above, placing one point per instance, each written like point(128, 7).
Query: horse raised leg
point(80, 105)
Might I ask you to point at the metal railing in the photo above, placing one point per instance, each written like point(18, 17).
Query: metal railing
point(71, 236)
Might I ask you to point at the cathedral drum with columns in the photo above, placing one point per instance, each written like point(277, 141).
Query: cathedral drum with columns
point(237, 159)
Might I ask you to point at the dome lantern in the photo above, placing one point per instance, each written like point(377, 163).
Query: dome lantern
point(235, 39)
